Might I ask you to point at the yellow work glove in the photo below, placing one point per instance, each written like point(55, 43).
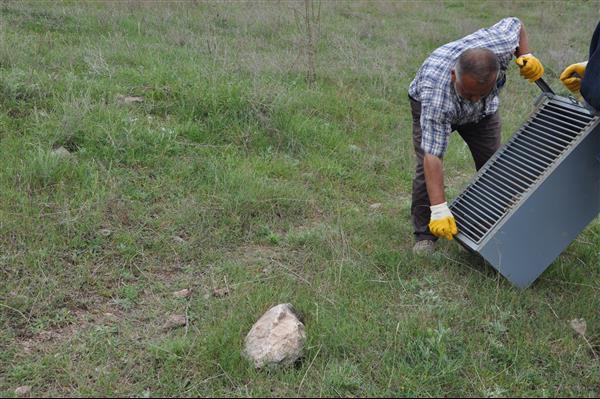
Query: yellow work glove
point(571, 76)
point(530, 67)
point(442, 223)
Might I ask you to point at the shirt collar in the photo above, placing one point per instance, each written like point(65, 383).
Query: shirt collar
point(485, 100)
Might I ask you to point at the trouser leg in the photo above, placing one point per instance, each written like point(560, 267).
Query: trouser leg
point(483, 138)
point(420, 213)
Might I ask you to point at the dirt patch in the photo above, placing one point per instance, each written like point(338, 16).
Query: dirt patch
point(257, 254)
point(46, 341)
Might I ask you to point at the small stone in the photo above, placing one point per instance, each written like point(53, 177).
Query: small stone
point(184, 293)
point(109, 319)
point(376, 205)
point(579, 325)
point(175, 321)
point(61, 152)
point(28, 347)
point(23, 391)
point(105, 232)
point(124, 100)
point(178, 240)
point(354, 148)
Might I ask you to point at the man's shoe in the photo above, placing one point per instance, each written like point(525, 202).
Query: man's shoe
point(424, 247)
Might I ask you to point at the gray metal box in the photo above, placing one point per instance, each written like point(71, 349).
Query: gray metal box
point(536, 194)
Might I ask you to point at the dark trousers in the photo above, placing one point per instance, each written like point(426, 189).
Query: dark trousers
point(483, 139)
point(590, 83)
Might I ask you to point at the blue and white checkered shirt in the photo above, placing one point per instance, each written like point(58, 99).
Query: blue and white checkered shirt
point(441, 106)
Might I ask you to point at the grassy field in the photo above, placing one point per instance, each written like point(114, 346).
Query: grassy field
point(199, 157)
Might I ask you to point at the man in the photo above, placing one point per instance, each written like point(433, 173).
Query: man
point(584, 77)
point(456, 88)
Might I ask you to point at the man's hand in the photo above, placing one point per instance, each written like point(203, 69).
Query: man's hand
point(442, 223)
point(571, 76)
point(530, 67)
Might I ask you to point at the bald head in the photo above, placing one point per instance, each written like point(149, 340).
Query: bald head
point(480, 63)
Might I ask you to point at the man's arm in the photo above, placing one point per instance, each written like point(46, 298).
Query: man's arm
point(523, 42)
point(434, 178)
point(529, 66)
point(442, 223)
point(435, 133)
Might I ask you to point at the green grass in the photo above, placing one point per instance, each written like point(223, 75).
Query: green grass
point(235, 173)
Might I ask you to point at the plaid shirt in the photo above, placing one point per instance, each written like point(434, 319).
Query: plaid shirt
point(441, 106)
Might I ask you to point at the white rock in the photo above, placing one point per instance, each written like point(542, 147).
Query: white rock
point(184, 293)
point(579, 325)
point(129, 99)
point(178, 240)
point(277, 338)
point(23, 391)
point(175, 321)
point(105, 232)
point(61, 152)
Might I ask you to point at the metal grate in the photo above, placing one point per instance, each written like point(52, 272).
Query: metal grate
point(517, 167)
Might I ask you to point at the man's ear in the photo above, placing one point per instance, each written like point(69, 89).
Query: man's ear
point(453, 76)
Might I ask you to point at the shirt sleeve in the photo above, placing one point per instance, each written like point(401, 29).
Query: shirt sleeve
point(435, 129)
point(502, 38)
